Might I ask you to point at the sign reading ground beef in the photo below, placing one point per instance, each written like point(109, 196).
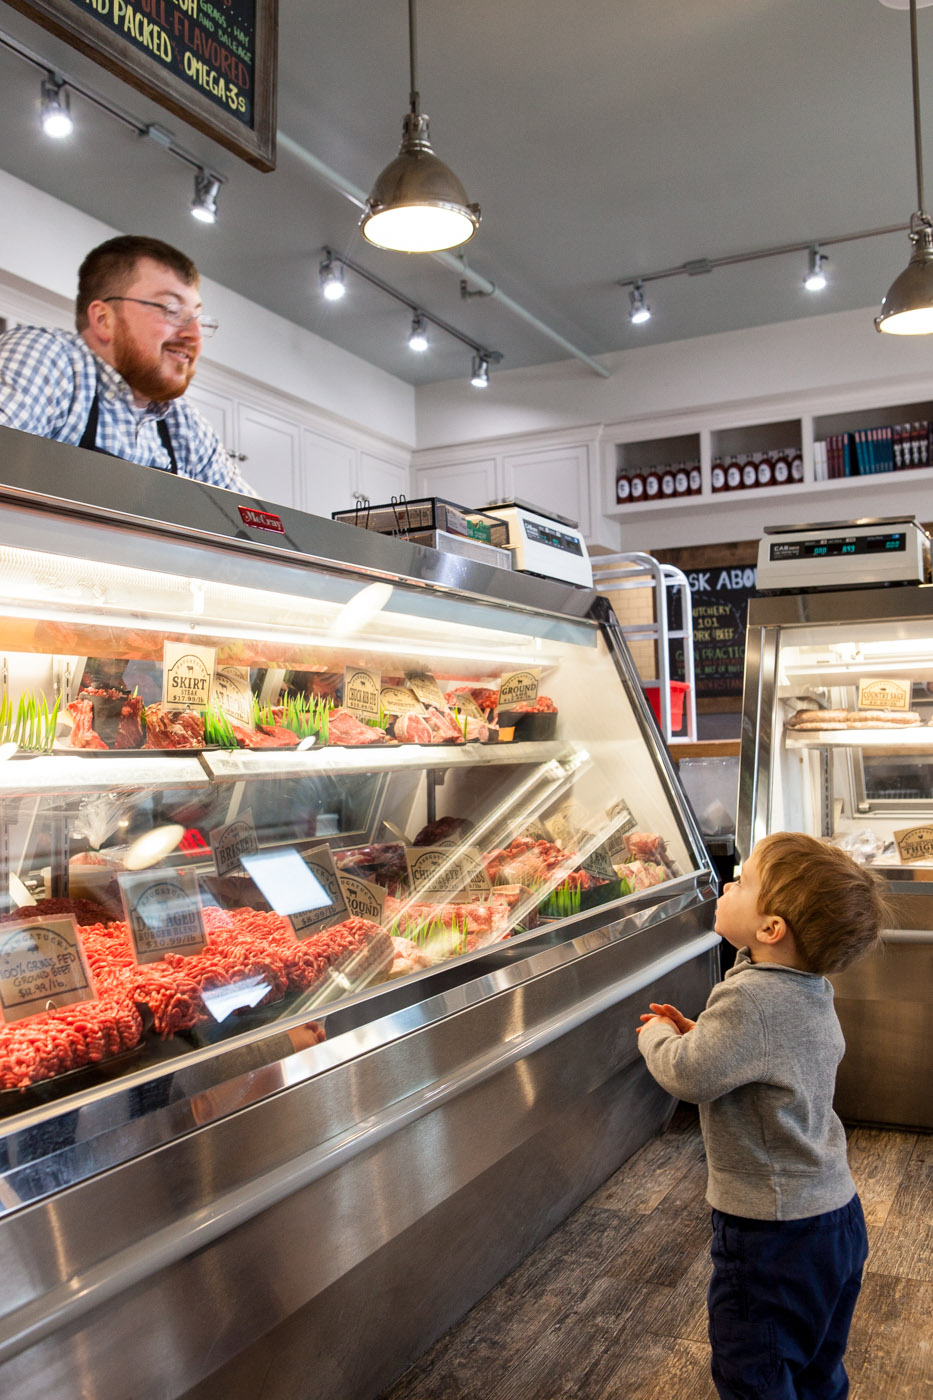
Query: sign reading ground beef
point(211, 62)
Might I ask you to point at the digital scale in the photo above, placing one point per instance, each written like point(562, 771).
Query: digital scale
point(844, 554)
point(543, 542)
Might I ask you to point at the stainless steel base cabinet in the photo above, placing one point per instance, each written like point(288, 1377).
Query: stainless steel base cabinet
point(336, 874)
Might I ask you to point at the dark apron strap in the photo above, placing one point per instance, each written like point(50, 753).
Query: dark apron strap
point(166, 437)
point(89, 436)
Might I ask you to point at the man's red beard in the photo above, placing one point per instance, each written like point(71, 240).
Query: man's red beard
point(148, 373)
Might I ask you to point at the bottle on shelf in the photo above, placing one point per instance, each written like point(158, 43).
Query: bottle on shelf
point(796, 467)
point(623, 487)
point(718, 476)
point(780, 467)
point(652, 484)
point(668, 483)
point(765, 469)
point(682, 480)
point(696, 478)
point(750, 472)
point(638, 486)
point(734, 474)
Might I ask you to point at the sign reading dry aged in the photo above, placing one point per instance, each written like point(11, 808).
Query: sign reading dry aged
point(211, 62)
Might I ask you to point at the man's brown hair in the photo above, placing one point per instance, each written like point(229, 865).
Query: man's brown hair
point(834, 907)
point(109, 269)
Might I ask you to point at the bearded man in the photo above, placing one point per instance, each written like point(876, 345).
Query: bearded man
point(116, 384)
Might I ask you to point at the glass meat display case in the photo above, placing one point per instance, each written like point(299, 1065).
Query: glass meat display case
point(837, 741)
point(334, 873)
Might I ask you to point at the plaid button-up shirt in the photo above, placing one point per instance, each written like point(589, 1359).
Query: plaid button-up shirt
point(48, 379)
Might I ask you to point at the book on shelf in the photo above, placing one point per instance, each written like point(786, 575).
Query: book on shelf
point(870, 451)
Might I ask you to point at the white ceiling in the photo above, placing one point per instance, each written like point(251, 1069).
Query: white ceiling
point(603, 139)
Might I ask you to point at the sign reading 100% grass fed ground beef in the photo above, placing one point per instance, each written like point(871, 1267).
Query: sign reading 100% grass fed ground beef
point(211, 62)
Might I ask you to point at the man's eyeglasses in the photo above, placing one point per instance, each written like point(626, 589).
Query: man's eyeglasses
point(176, 316)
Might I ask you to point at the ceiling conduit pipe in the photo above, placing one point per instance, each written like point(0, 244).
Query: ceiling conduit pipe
point(358, 197)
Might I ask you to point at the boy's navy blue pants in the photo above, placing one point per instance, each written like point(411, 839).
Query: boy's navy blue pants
point(781, 1300)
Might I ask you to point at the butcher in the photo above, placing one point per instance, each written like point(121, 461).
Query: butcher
point(116, 384)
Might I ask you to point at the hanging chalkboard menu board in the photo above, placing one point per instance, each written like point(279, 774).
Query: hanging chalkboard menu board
point(721, 579)
point(211, 62)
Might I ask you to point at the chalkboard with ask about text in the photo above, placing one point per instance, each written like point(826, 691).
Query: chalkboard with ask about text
point(213, 63)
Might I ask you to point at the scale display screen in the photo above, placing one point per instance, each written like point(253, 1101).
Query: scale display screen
point(556, 539)
point(832, 546)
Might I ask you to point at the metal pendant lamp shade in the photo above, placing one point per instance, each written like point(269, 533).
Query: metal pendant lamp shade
point(907, 309)
point(417, 204)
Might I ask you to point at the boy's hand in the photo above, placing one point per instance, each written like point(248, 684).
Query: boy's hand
point(665, 1012)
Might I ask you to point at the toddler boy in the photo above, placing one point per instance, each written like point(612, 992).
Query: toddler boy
point(789, 1239)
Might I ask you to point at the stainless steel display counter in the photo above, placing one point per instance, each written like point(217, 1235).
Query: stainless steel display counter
point(204, 1211)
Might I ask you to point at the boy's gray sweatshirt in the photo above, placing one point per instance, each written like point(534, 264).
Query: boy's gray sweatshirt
point(761, 1063)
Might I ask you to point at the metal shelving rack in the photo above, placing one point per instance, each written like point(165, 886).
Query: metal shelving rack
point(614, 573)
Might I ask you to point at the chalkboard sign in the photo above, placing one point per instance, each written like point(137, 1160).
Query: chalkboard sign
point(719, 595)
point(211, 62)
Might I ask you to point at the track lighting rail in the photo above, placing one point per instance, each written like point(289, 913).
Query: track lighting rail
point(492, 356)
point(702, 265)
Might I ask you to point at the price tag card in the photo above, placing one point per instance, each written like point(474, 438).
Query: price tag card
point(320, 863)
point(229, 843)
point(163, 912)
point(464, 704)
point(599, 864)
point(567, 824)
point(365, 900)
point(622, 822)
point(232, 695)
point(442, 873)
point(398, 700)
point(187, 672)
point(879, 694)
point(302, 893)
point(518, 688)
point(426, 689)
point(914, 844)
point(361, 691)
point(42, 966)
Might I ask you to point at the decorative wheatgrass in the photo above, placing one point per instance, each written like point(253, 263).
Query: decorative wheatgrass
point(32, 727)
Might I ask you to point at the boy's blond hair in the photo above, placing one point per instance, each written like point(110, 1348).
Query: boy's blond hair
point(834, 907)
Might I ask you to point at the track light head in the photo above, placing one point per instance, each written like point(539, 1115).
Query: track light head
point(418, 337)
point(55, 109)
point(639, 310)
point(479, 375)
point(333, 286)
point(815, 279)
point(204, 204)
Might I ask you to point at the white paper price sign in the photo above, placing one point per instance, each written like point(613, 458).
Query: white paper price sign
point(187, 672)
point(441, 873)
point(233, 696)
point(361, 690)
point(163, 911)
point(42, 966)
point(364, 899)
point(231, 842)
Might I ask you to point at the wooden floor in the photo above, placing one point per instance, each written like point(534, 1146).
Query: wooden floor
point(612, 1306)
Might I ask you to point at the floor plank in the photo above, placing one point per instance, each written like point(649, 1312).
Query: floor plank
point(613, 1304)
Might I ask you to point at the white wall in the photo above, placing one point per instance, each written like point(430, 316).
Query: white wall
point(792, 357)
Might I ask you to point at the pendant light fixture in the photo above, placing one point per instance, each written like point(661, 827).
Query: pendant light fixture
point(907, 309)
point(417, 204)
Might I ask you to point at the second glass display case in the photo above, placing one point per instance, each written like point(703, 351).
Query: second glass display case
point(837, 741)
